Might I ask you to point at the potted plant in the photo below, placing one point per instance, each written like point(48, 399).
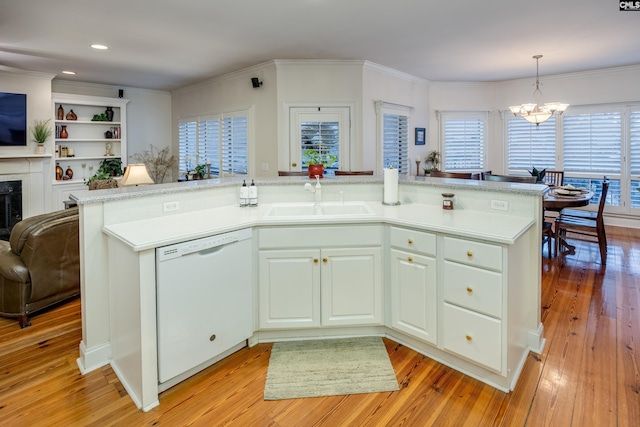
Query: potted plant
point(108, 169)
point(40, 132)
point(201, 171)
point(317, 162)
point(538, 174)
point(432, 161)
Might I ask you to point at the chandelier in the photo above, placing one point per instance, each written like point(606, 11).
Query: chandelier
point(536, 112)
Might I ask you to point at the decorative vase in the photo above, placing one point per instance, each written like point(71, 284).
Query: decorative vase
point(63, 132)
point(69, 172)
point(315, 170)
point(109, 114)
point(60, 112)
point(40, 149)
point(71, 115)
point(59, 172)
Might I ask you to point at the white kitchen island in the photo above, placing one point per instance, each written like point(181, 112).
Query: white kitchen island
point(461, 286)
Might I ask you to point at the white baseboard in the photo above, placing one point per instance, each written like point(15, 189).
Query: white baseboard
point(94, 358)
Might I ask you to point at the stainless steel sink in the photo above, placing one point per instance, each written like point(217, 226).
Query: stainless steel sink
point(318, 210)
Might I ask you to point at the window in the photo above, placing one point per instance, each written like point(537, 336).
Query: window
point(463, 137)
point(634, 143)
point(324, 129)
point(395, 142)
point(221, 139)
point(530, 145)
point(393, 134)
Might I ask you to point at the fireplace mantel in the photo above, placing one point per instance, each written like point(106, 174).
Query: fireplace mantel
point(31, 170)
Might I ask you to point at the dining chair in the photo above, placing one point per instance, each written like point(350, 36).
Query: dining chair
point(554, 178)
point(548, 234)
point(293, 173)
point(343, 173)
point(510, 178)
point(586, 225)
point(440, 174)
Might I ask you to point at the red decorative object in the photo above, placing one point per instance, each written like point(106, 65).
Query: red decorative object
point(63, 132)
point(315, 170)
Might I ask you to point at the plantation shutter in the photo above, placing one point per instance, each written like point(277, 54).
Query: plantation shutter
point(209, 142)
point(323, 137)
point(464, 141)
point(593, 142)
point(634, 142)
point(187, 143)
point(395, 142)
point(530, 145)
point(234, 148)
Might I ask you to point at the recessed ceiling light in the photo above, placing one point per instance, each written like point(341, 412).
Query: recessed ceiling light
point(99, 46)
point(69, 72)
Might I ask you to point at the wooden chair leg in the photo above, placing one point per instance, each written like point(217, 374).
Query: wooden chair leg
point(23, 321)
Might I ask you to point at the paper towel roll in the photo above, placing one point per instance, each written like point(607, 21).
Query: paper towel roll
point(390, 196)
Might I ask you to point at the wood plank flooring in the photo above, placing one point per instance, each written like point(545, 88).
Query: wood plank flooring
point(588, 374)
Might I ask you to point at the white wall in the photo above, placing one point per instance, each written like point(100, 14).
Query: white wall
point(615, 85)
point(231, 92)
point(384, 84)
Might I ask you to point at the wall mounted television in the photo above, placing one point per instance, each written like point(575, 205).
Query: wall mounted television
point(13, 119)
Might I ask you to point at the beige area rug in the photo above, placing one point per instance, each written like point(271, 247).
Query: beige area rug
point(328, 368)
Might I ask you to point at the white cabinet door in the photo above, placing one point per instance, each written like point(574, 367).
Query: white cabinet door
point(289, 287)
point(413, 295)
point(352, 286)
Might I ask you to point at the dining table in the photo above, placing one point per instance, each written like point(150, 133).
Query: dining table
point(555, 202)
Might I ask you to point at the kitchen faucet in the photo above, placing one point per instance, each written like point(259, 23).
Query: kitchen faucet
point(317, 190)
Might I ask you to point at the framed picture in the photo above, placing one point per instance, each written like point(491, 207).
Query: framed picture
point(420, 139)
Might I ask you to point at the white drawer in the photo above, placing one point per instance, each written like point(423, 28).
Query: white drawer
point(412, 240)
point(473, 336)
point(478, 254)
point(320, 236)
point(473, 288)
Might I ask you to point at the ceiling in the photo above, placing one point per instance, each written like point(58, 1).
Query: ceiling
point(166, 44)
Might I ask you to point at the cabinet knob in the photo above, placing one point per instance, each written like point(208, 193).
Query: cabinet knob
point(324, 260)
point(212, 337)
point(315, 260)
point(469, 254)
point(410, 259)
point(468, 337)
point(294, 164)
point(410, 242)
point(469, 290)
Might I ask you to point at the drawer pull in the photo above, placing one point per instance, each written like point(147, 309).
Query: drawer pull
point(468, 337)
point(469, 290)
point(324, 260)
point(410, 242)
point(212, 337)
point(315, 260)
point(469, 254)
point(410, 259)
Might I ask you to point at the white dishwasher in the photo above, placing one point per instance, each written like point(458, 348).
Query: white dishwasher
point(204, 302)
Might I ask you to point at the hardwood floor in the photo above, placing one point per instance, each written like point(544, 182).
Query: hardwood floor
point(588, 375)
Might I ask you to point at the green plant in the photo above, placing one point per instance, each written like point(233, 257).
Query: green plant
point(538, 174)
point(434, 159)
point(312, 157)
point(41, 131)
point(108, 169)
point(201, 170)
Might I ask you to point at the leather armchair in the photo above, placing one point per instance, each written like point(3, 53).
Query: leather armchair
point(40, 264)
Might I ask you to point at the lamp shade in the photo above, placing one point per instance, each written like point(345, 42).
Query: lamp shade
point(136, 174)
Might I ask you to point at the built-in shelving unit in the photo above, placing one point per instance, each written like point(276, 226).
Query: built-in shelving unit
point(86, 137)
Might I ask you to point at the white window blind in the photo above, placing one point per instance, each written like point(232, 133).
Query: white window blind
point(220, 139)
point(530, 145)
point(188, 145)
point(395, 142)
point(634, 139)
point(464, 139)
point(234, 158)
point(592, 142)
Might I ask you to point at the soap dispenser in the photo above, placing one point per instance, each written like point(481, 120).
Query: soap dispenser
point(244, 194)
point(253, 194)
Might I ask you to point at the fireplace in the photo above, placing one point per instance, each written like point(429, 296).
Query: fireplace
point(10, 206)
